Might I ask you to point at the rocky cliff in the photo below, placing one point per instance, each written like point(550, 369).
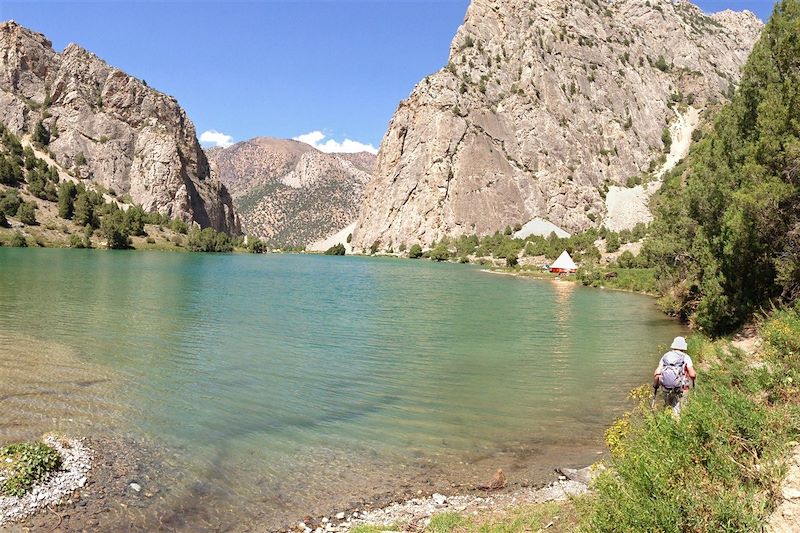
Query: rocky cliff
point(542, 107)
point(106, 126)
point(290, 193)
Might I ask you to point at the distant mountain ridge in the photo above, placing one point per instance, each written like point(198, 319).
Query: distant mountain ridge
point(288, 192)
point(542, 107)
point(108, 127)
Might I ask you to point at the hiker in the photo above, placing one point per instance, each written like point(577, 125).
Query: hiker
point(673, 369)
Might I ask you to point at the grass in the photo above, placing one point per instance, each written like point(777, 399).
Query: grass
point(22, 465)
point(718, 467)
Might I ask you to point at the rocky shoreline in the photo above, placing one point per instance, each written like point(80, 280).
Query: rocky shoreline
point(415, 514)
point(104, 480)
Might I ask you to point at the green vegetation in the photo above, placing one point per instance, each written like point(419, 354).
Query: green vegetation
point(22, 465)
point(256, 245)
point(715, 468)
point(415, 252)
point(41, 135)
point(18, 240)
point(336, 249)
point(208, 240)
point(725, 237)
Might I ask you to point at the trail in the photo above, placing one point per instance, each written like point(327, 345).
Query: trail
point(626, 207)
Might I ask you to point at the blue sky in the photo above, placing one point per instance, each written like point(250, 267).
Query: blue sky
point(277, 68)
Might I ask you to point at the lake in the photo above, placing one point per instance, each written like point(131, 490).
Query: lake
point(268, 387)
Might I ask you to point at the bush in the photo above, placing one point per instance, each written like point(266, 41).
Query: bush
point(713, 469)
point(26, 213)
point(349, 238)
point(209, 240)
point(666, 138)
point(115, 230)
point(41, 135)
point(67, 192)
point(18, 240)
point(661, 64)
point(256, 245)
point(440, 253)
point(179, 226)
point(612, 242)
point(25, 464)
point(336, 249)
point(10, 202)
point(415, 252)
point(3, 221)
point(376, 245)
point(75, 241)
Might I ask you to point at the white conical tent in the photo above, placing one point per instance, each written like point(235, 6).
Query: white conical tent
point(564, 263)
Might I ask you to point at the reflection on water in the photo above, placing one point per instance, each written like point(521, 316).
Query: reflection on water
point(276, 385)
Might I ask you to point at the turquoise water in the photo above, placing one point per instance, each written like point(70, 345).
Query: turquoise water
point(293, 383)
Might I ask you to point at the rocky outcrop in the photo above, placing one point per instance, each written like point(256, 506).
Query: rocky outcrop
point(110, 128)
point(543, 106)
point(289, 193)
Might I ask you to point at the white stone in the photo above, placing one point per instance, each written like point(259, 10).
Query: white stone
point(439, 499)
point(340, 516)
point(136, 487)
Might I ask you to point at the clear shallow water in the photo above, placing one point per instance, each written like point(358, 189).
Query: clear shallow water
point(281, 385)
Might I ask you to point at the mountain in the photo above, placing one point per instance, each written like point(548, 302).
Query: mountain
point(288, 192)
point(542, 107)
point(103, 125)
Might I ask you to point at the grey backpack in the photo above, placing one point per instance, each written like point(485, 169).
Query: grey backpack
point(672, 369)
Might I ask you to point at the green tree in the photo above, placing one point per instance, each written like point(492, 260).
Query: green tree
point(10, 202)
point(415, 252)
point(725, 236)
point(440, 252)
point(114, 230)
point(18, 240)
point(41, 135)
point(336, 249)
point(83, 210)
point(26, 213)
point(612, 242)
point(66, 199)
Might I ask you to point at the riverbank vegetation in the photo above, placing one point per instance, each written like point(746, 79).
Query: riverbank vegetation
point(22, 465)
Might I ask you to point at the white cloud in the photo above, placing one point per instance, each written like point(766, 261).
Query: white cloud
point(216, 138)
point(348, 146)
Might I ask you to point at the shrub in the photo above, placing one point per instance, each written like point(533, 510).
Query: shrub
point(41, 135)
point(26, 213)
point(10, 202)
point(415, 252)
point(440, 253)
point(3, 221)
point(376, 245)
point(666, 138)
point(661, 64)
point(336, 249)
point(179, 226)
point(75, 241)
point(612, 242)
point(67, 192)
point(209, 240)
point(256, 245)
point(25, 464)
point(349, 238)
point(115, 230)
point(18, 240)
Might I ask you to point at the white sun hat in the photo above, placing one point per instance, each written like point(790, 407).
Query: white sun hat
point(679, 344)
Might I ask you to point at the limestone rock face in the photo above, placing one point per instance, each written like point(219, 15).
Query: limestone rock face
point(134, 140)
point(290, 193)
point(543, 105)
